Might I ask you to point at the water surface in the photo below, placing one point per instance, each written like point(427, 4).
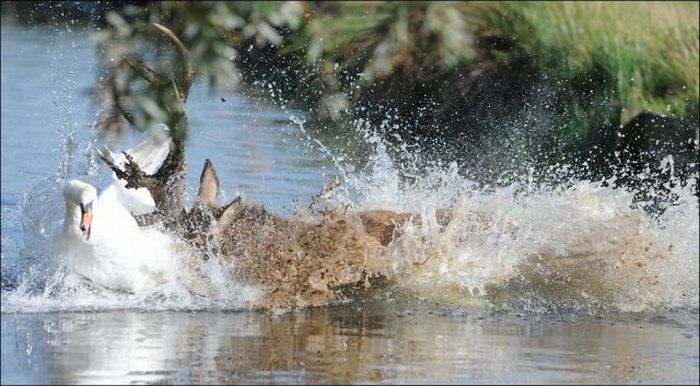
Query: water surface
point(372, 343)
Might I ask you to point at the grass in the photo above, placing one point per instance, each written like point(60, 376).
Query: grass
point(648, 50)
point(605, 61)
point(627, 56)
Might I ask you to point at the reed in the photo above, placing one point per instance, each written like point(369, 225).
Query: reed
point(647, 50)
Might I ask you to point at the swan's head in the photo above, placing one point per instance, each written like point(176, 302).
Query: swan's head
point(82, 195)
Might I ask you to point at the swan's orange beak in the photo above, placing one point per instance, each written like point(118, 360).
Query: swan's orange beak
point(86, 220)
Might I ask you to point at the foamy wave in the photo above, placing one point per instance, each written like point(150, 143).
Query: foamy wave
point(580, 248)
point(64, 290)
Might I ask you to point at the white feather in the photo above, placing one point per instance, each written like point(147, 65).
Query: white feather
point(149, 154)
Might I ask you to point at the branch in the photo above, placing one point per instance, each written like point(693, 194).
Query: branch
point(132, 166)
point(186, 78)
point(132, 173)
point(121, 174)
point(127, 115)
point(166, 185)
point(117, 108)
point(153, 78)
point(173, 39)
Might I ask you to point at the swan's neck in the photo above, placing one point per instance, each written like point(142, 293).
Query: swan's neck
point(72, 217)
point(76, 192)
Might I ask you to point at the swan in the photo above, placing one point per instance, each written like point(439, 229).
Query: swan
point(100, 238)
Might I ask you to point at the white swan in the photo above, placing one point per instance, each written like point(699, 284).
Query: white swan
point(100, 238)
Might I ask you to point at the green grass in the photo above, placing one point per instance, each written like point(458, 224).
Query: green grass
point(648, 50)
point(608, 61)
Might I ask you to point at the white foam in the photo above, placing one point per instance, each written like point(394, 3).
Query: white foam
point(577, 246)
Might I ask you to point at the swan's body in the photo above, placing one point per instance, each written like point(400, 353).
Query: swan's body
point(100, 238)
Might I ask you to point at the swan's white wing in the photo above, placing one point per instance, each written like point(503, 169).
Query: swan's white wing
point(149, 154)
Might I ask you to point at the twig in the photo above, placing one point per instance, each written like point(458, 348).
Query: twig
point(132, 173)
point(153, 78)
point(116, 169)
point(132, 165)
point(173, 39)
point(187, 76)
point(127, 115)
point(166, 185)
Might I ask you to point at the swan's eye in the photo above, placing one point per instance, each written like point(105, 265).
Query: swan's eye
point(85, 207)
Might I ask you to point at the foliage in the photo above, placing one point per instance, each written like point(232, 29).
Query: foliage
point(648, 51)
point(212, 32)
point(646, 54)
point(353, 44)
point(529, 79)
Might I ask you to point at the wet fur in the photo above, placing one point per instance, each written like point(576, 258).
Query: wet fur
point(297, 263)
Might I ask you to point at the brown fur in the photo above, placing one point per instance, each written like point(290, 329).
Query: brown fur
point(384, 225)
point(297, 263)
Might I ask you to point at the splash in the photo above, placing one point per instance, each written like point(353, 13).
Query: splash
point(572, 246)
point(579, 246)
point(39, 280)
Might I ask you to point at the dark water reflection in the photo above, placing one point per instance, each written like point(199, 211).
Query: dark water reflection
point(372, 343)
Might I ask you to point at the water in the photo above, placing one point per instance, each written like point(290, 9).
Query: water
point(371, 344)
point(563, 285)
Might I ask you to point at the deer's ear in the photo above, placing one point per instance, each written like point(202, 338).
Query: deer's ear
point(208, 184)
point(227, 213)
